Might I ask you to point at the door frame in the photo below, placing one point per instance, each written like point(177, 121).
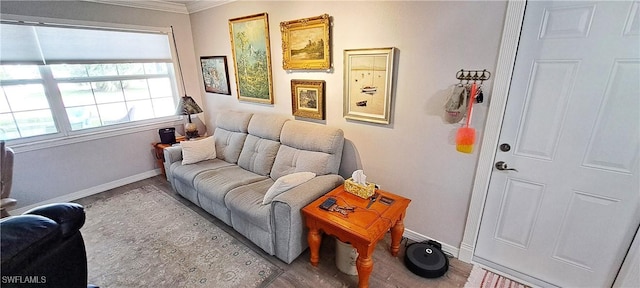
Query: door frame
point(500, 91)
point(504, 69)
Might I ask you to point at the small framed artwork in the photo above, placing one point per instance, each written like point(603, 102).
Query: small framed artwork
point(307, 98)
point(368, 81)
point(305, 43)
point(215, 74)
point(252, 58)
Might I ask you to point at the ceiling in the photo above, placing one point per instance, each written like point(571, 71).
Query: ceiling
point(177, 6)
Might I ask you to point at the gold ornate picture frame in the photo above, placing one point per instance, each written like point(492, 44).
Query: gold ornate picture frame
point(368, 84)
point(307, 98)
point(252, 58)
point(305, 43)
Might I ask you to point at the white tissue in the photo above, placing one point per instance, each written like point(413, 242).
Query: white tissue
point(359, 177)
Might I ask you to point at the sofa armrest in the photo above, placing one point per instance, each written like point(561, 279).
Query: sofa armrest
point(25, 233)
point(171, 155)
point(70, 216)
point(290, 237)
point(34, 245)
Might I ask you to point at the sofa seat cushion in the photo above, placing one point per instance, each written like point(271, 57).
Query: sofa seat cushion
point(215, 184)
point(249, 217)
point(187, 173)
point(245, 202)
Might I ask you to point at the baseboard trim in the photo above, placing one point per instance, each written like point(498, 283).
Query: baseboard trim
point(419, 238)
point(90, 191)
point(466, 253)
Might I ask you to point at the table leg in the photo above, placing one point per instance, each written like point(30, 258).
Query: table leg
point(364, 264)
point(314, 238)
point(396, 235)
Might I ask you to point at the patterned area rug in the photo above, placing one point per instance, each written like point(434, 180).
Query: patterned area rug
point(481, 278)
point(145, 238)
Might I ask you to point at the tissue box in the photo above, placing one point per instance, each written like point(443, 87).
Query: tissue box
point(359, 190)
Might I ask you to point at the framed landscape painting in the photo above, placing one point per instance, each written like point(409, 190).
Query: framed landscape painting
point(307, 98)
point(215, 74)
point(252, 58)
point(305, 43)
point(368, 81)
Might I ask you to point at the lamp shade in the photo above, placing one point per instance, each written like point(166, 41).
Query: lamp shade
point(187, 106)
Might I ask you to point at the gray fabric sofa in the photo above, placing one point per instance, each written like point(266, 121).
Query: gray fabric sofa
point(253, 151)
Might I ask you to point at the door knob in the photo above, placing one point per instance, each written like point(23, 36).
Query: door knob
point(502, 166)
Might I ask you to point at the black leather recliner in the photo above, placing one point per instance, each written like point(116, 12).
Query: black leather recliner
point(44, 248)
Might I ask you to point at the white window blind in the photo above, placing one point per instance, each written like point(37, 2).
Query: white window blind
point(58, 80)
point(19, 44)
point(27, 44)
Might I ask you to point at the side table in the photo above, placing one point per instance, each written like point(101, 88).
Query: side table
point(159, 153)
point(363, 227)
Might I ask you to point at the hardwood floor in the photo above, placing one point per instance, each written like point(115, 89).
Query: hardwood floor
point(388, 271)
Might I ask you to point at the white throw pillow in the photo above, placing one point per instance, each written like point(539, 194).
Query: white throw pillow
point(285, 183)
point(194, 151)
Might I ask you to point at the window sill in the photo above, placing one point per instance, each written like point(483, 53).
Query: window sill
point(85, 136)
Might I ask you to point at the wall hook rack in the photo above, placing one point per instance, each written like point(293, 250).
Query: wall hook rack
point(473, 75)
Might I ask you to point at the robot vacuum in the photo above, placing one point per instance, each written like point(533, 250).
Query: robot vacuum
point(426, 259)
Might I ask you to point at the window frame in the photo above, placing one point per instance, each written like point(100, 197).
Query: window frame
point(65, 134)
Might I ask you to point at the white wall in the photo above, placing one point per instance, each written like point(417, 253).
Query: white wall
point(57, 172)
point(415, 155)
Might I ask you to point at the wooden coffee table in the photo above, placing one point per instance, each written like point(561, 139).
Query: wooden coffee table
point(363, 227)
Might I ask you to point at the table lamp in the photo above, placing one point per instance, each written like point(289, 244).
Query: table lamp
point(188, 106)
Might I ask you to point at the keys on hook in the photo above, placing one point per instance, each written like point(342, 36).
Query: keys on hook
point(474, 75)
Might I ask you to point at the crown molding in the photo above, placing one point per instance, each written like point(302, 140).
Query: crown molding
point(167, 6)
point(150, 5)
point(200, 5)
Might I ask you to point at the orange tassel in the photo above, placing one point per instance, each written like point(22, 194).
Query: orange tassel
point(464, 139)
point(466, 136)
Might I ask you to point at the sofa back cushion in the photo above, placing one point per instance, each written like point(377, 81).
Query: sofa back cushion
point(308, 147)
point(267, 126)
point(230, 134)
point(262, 143)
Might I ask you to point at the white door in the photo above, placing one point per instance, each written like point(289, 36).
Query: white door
point(568, 215)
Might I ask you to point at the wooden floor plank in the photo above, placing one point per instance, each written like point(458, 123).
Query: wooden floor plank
point(388, 271)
